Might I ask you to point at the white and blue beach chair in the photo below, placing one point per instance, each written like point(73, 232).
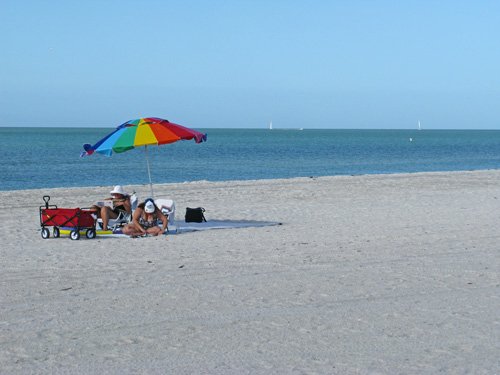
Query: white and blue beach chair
point(167, 207)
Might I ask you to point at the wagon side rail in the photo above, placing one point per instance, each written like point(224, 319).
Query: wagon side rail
point(59, 219)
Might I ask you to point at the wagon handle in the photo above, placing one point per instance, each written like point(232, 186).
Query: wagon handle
point(46, 199)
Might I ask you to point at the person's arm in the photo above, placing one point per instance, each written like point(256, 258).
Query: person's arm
point(164, 221)
point(135, 220)
point(123, 203)
point(126, 205)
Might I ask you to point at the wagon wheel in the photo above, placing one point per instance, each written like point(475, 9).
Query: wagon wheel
point(56, 232)
point(90, 233)
point(45, 233)
point(75, 234)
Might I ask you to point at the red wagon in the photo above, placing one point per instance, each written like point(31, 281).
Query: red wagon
point(75, 218)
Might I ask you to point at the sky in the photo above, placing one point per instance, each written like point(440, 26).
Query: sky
point(360, 64)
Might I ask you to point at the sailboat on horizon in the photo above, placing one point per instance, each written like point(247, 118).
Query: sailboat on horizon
point(271, 125)
point(419, 127)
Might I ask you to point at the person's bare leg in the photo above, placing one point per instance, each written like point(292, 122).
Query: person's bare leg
point(131, 230)
point(154, 231)
point(106, 214)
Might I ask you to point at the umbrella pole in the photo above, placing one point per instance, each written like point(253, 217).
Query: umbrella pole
point(149, 172)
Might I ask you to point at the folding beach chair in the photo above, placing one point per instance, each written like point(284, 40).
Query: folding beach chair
point(167, 207)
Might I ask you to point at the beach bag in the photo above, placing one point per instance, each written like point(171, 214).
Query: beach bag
point(195, 215)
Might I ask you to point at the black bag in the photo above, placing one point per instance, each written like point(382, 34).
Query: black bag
point(195, 215)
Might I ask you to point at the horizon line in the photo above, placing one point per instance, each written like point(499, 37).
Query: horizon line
point(244, 128)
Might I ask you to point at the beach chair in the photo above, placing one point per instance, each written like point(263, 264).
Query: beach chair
point(167, 207)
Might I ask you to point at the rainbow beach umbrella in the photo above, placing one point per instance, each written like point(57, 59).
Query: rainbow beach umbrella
point(142, 132)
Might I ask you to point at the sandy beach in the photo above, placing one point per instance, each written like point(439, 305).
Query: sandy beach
point(374, 274)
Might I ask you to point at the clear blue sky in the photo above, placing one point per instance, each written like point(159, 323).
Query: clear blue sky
point(206, 64)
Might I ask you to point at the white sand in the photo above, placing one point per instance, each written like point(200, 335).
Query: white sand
point(368, 274)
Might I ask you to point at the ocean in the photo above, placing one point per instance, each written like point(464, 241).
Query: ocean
point(32, 158)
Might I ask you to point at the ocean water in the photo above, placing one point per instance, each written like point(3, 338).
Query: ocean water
point(50, 157)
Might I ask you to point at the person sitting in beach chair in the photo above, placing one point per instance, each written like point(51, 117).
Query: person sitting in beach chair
point(145, 220)
point(117, 208)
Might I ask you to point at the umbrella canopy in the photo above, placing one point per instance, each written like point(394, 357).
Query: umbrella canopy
point(142, 132)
